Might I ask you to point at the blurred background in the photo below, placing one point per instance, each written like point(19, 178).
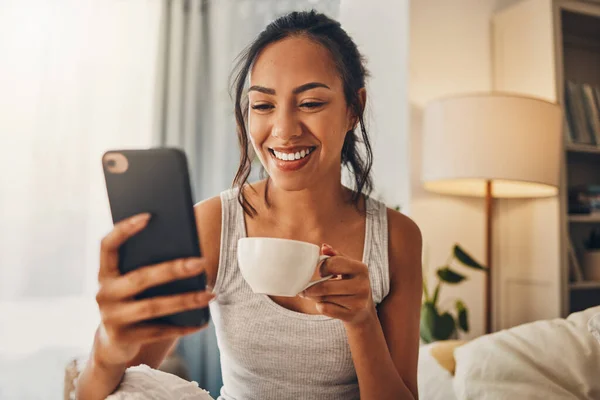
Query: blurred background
point(80, 77)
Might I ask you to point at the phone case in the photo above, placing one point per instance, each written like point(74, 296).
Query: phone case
point(156, 181)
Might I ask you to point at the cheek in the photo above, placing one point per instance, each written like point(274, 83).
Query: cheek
point(330, 130)
point(257, 131)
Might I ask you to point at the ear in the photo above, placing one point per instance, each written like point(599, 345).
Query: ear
point(362, 95)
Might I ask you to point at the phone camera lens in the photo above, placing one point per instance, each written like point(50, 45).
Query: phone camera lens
point(111, 163)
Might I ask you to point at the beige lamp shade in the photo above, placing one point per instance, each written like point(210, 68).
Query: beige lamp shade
point(511, 140)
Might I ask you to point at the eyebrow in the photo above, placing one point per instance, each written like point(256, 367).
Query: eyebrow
point(299, 89)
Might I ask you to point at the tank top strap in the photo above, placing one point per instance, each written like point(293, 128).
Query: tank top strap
point(376, 249)
point(232, 229)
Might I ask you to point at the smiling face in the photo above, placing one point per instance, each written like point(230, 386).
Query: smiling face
point(297, 117)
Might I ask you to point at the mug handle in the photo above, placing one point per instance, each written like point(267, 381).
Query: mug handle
point(326, 278)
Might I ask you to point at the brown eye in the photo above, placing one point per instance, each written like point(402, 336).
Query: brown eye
point(262, 107)
point(311, 104)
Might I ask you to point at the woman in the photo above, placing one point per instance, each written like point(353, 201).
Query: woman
point(350, 338)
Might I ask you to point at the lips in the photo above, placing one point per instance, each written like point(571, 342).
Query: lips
point(291, 164)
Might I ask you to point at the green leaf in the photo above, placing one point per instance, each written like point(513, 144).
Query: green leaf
point(466, 259)
point(425, 290)
point(434, 326)
point(444, 327)
point(436, 294)
point(463, 316)
point(428, 316)
point(450, 276)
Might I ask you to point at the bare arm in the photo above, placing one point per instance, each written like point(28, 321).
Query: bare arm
point(97, 378)
point(386, 350)
point(384, 345)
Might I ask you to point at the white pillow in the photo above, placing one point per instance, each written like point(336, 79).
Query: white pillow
point(555, 359)
point(434, 382)
point(144, 383)
point(581, 318)
point(594, 326)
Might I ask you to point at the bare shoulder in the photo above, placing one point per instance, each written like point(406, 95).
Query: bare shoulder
point(208, 221)
point(404, 249)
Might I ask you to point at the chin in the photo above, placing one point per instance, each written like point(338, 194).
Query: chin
point(289, 184)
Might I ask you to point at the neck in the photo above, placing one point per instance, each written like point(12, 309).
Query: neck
point(311, 207)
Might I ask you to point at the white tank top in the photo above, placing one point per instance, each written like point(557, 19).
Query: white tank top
point(270, 352)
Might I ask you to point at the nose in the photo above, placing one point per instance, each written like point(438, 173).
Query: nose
point(286, 126)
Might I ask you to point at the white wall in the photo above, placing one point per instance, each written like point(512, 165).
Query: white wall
point(380, 29)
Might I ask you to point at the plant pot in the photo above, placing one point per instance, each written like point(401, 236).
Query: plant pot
point(591, 265)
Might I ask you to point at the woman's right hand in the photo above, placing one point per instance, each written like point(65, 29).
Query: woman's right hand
point(122, 331)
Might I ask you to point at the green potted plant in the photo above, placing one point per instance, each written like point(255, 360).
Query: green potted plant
point(591, 256)
point(438, 324)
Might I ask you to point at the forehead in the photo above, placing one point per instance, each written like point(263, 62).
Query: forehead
point(292, 62)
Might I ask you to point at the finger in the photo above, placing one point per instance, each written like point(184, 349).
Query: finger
point(349, 302)
point(333, 287)
point(329, 250)
point(137, 281)
point(123, 230)
point(147, 333)
point(333, 310)
point(343, 301)
point(141, 310)
point(340, 265)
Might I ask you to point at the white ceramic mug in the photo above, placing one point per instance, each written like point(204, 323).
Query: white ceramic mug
point(278, 267)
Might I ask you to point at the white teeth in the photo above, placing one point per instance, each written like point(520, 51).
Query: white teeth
point(292, 156)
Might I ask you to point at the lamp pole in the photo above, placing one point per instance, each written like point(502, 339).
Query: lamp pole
point(488, 255)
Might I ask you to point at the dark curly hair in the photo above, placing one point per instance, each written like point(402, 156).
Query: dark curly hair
point(350, 66)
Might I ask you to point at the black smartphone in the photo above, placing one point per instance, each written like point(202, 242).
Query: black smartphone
point(156, 180)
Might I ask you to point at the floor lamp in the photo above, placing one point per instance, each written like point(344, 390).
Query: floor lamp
point(492, 145)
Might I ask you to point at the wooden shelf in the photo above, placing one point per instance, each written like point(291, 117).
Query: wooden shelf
point(585, 218)
point(584, 285)
point(583, 148)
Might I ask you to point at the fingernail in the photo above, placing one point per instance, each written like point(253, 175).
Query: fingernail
point(139, 219)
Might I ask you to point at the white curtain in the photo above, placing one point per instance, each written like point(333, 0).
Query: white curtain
point(77, 77)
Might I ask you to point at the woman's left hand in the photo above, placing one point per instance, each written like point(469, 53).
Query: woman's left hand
point(347, 297)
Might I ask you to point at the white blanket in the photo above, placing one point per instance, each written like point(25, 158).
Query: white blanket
point(143, 383)
point(555, 359)
point(594, 326)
